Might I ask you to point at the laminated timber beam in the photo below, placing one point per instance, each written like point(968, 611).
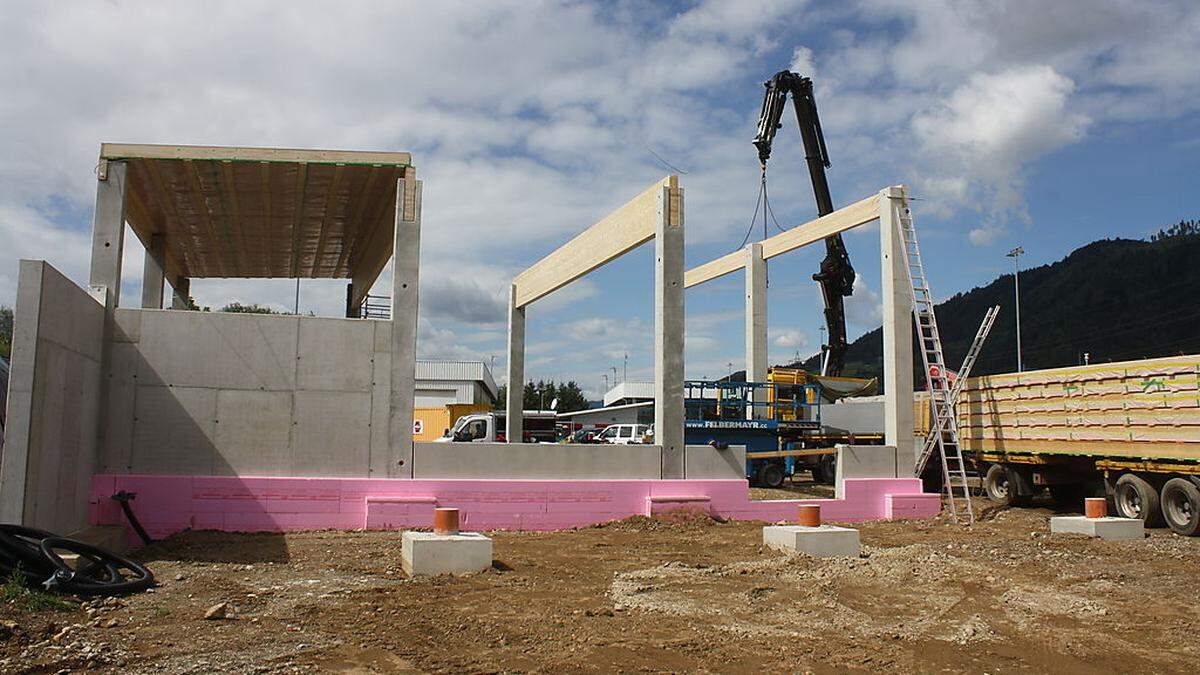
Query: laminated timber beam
point(847, 218)
point(617, 233)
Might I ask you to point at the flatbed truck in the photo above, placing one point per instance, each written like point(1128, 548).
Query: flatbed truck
point(1129, 431)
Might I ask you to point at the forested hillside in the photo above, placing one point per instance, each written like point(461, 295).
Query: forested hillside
point(1115, 299)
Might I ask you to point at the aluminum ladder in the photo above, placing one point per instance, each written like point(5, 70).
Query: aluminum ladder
point(954, 474)
point(964, 372)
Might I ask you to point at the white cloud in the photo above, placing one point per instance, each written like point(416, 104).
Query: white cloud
point(978, 140)
point(789, 338)
point(864, 308)
point(802, 63)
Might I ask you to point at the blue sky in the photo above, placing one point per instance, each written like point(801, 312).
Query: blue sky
point(1045, 125)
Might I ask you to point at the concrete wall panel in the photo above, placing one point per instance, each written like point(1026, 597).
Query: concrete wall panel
point(705, 461)
point(253, 433)
point(535, 461)
point(331, 433)
point(218, 350)
point(865, 461)
point(50, 450)
point(335, 354)
point(117, 438)
point(201, 393)
point(381, 391)
point(173, 431)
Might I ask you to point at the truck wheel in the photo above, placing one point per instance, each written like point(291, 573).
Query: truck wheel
point(771, 476)
point(1001, 486)
point(825, 470)
point(1181, 506)
point(1133, 497)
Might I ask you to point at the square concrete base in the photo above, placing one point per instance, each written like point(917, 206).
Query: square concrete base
point(1110, 528)
point(821, 542)
point(426, 553)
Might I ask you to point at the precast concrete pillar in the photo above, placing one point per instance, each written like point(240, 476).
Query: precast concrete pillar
point(756, 326)
point(515, 399)
point(108, 231)
point(897, 328)
point(406, 261)
point(668, 333)
point(181, 293)
point(152, 273)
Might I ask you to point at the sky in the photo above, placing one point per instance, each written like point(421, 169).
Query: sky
point(1043, 125)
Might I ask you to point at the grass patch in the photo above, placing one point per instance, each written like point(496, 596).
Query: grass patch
point(15, 593)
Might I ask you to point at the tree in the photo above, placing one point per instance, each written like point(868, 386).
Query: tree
point(238, 308)
point(542, 393)
point(6, 331)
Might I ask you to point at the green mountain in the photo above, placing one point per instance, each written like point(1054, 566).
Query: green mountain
point(1115, 299)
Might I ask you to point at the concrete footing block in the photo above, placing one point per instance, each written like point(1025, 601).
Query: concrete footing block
point(1109, 528)
point(427, 554)
point(824, 541)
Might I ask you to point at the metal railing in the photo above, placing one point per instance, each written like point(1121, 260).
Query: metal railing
point(721, 399)
point(377, 307)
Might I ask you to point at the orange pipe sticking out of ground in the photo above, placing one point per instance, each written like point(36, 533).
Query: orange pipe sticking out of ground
point(810, 515)
point(1095, 507)
point(445, 521)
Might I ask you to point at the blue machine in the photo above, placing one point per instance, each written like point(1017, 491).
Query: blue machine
point(762, 416)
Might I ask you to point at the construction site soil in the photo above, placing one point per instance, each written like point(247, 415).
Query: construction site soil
point(669, 594)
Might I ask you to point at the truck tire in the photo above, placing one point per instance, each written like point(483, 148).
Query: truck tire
point(1181, 506)
point(825, 470)
point(1134, 497)
point(1000, 485)
point(771, 475)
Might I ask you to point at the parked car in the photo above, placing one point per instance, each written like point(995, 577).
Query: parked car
point(585, 436)
point(624, 434)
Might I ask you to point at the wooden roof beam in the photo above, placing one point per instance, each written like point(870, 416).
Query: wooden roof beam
point(846, 218)
point(619, 232)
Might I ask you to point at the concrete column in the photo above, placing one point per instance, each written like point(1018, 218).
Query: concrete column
point(108, 231)
point(352, 311)
point(756, 324)
point(152, 273)
point(515, 403)
point(897, 328)
point(406, 261)
point(181, 291)
point(668, 333)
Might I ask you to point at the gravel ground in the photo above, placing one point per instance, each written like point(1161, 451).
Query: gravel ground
point(685, 594)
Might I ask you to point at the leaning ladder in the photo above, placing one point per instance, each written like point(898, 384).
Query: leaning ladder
point(954, 474)
point(964, 372)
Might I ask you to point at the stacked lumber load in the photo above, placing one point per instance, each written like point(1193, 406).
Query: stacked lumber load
point(1139, 409)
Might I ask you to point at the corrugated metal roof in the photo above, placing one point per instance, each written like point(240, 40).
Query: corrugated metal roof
point(470, 371)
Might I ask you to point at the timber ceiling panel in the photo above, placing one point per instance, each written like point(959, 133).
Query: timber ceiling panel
point(263, 213)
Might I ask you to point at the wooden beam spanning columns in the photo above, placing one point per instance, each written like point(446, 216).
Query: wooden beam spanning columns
point(846, 218)
point(616, 234)
point(657, 213)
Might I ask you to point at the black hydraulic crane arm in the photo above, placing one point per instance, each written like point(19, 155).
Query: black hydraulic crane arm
point(837, 274)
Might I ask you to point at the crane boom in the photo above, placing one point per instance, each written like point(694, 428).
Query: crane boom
point(837, 274)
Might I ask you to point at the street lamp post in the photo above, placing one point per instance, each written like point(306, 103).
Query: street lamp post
point(1016, 254)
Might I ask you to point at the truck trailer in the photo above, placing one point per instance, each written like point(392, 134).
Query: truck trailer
point(1128, 430)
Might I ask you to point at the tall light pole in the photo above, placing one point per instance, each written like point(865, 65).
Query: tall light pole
point(1016, 254)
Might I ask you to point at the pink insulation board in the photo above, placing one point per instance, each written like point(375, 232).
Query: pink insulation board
point(167, 504)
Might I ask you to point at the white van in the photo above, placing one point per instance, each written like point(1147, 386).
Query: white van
point(624, 434)
point(489, 427)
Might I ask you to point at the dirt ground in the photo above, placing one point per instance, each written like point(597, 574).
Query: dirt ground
point(682, 594)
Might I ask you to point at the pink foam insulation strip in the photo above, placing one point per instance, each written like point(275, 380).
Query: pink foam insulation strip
point(167, 504)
